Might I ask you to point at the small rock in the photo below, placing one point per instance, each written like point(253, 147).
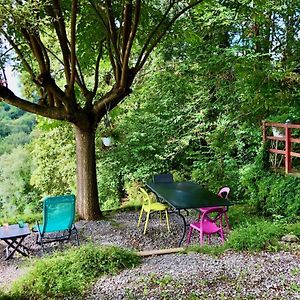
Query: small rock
point(290, 238)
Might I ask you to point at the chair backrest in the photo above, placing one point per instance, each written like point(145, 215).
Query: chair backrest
point(209, 216)
point(146, 197)
point(224, 192)
point(163, 178)
point(58, 213)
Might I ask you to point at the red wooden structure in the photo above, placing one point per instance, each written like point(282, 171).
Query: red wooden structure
point(285, 137)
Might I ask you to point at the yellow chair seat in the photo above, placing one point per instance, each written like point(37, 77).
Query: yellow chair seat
point(156, 206)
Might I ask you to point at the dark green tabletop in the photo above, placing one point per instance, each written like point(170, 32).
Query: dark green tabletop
point(185, 195)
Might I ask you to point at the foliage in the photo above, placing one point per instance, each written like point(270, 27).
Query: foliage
point(69, 273)
point(109, 183)
point(255, 237)
point(16, 126)
point(12, 141)
point(54, 170)
point(242, 215)
point(16, 194)
point(14, 120)
point(197, 111)
point(271, 193)
point(29, 216)
point(293, 228)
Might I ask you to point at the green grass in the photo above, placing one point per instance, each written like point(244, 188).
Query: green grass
point(71, 272)
point(206, 249)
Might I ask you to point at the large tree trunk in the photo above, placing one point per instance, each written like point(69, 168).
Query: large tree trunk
point(87, 190)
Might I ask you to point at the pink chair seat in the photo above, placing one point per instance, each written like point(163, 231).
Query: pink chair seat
point(208, 227)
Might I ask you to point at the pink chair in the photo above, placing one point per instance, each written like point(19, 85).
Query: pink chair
point(208, 225)
point(224, 193)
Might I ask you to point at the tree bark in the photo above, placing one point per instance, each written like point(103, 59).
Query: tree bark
point(88, 206)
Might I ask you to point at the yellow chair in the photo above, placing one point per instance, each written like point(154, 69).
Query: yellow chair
point(149, 206)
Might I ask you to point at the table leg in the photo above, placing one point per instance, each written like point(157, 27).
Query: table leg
point(16, 245)
point(184, 225)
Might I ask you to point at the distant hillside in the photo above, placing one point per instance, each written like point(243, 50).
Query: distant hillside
point(15, 127)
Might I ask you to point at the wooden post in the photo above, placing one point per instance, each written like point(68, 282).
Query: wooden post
point(264, 131)
point(288, 162)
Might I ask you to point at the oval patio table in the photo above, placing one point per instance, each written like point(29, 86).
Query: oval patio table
point(186, 195)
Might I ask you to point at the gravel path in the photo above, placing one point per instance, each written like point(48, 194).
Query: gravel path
point(178, 276)
point(199, 276)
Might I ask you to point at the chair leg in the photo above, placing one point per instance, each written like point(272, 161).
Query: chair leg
point(227, 221)
point(189, 235)
point(140, 218)
point(222, 236)
point(76, 235)
point(199, 216)
point(42, 244)
point(167, 220)
point(160, 218)
point(147, 220)
point(201, 237)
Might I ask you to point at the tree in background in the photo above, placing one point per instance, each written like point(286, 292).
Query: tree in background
point(109, 42)
point(214, 86)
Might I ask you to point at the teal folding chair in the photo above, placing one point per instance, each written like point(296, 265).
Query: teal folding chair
point(58, 217)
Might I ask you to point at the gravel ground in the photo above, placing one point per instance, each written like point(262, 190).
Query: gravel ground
point(178, 276)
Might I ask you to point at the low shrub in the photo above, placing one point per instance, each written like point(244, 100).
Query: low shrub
point(271, 194)
point(69, 273)
point(242, 215)
point(255, 237)
point(293, 229)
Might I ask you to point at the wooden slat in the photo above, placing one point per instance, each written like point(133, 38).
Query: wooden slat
point(269, 124)
point(275, 138)
point(159, 252)
point(282, 125)
point(293, 140)
point(294, 126)
point(295, 154)
point(277, 151)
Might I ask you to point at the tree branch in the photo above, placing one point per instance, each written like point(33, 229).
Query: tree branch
point(155, 29)
point(96, 80)
point(162, 34)
point(115, 66)
point(58, 22)
point(112, 98)
point(126, 25)
point(99, 15)
point(112, 30)
point(73, 48)
point(21, 56)
point(54, 113)
point(137, 14)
